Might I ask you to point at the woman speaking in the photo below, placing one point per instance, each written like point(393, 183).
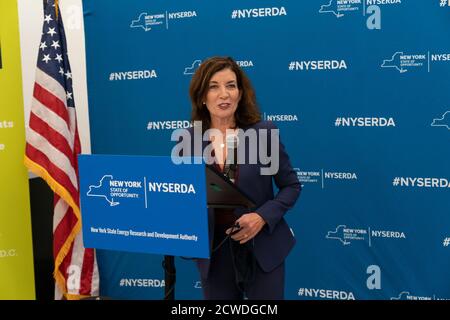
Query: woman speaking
point(249, 247)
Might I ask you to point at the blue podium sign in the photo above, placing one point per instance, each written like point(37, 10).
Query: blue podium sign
point(143, 204)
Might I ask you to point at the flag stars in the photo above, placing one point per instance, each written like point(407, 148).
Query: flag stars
point(46, 58)
point(48, 18)
point(51, 31)
point(43, 46)
point(69, 95)
point(61, 71)
point(55, 44)
point(59, 58)
point(68, 75)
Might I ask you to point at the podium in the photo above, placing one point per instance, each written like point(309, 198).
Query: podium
point(151, 205)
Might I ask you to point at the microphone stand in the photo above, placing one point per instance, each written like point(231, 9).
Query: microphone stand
point(170, 277)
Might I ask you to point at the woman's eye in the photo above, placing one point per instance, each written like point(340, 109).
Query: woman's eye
point(232, 86)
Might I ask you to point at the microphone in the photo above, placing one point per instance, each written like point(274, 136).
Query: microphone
point(230, 165)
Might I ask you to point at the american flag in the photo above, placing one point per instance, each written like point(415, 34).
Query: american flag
point(51, 153)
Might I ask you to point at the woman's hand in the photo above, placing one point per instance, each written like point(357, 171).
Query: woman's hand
point(250, 224)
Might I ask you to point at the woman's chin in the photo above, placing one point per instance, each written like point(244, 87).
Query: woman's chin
point(224, 115)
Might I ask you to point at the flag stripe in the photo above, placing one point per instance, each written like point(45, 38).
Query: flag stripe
point(51, 85)
point(59, 212)
point(56, 173)
point(57, 140)
point(87, 270)
point(75, 140)
point(63, 268)
point(68, 222)
point(55, 157)
point(54, 120)
point(78, 256)
point(51, 102)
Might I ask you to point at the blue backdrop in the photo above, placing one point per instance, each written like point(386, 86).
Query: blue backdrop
point(360, 92)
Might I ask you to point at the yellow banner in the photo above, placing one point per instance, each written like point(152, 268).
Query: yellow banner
point(16, 251)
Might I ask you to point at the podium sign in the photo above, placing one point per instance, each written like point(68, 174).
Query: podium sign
point(143, 204)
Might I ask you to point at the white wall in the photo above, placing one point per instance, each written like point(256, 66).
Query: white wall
point(30, 23)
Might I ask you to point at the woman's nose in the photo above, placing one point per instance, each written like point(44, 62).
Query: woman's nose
point(224, 92)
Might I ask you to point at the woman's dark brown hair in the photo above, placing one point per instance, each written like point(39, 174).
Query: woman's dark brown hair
point(247, 112)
